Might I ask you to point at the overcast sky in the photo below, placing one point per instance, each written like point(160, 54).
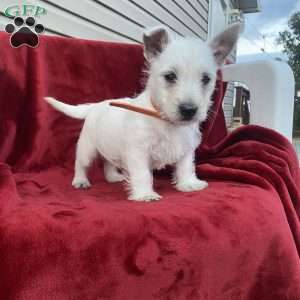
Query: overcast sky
point(272, 19)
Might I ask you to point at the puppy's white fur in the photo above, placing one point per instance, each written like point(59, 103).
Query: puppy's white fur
point(137, 144)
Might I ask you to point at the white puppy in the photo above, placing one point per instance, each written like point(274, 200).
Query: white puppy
point(182, 76)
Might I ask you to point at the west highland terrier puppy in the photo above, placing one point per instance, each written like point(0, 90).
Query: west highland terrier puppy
point(182, 77)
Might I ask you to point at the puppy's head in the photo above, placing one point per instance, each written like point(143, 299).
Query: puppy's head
point(182, 72)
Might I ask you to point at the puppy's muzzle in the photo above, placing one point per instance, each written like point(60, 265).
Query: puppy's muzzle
point(187, 111)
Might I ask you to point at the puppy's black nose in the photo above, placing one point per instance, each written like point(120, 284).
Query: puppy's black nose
point(187, 111)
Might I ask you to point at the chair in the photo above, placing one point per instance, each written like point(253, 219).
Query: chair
point(237, 239)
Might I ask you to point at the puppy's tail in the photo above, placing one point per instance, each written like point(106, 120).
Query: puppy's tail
point(73, 111)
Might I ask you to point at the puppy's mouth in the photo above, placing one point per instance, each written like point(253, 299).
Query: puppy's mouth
point(184, 121)
point(188, 121)
point(179, 120)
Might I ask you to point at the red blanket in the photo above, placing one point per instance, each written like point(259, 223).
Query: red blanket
point(238, 239)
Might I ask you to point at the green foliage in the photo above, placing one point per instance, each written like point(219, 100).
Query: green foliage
point(290, 39)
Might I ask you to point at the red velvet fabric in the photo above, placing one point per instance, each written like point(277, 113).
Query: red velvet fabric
point(238, 239)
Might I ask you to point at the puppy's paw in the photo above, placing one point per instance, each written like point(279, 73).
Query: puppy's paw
point(145, 197)
point(191, 185)
point(81, 183)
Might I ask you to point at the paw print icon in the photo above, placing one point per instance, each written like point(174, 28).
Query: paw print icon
point(24, 32)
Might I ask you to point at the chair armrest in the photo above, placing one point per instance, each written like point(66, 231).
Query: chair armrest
point(272, 90)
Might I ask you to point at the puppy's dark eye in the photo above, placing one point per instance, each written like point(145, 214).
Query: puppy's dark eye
point(170, 77)
point(205, 79)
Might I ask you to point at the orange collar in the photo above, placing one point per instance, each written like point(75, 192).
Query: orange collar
point(141, 110)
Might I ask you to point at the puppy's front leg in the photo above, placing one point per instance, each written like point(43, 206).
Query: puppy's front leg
point(185, 177)
point(140, 178)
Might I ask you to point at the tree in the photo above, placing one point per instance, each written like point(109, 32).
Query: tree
point(290, 39)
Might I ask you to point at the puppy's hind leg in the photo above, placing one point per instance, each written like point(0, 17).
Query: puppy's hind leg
point(111, 173)
point(85, 153)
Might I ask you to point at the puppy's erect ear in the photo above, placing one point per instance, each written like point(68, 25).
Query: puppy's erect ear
point(155, 40)
point(224, 42)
